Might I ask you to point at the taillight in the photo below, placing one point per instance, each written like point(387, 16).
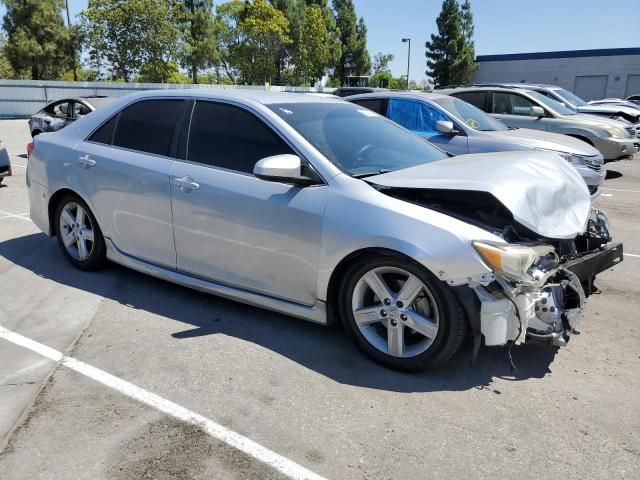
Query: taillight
point(30, 149)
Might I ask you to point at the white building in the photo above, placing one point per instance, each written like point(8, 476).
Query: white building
point(590, 74)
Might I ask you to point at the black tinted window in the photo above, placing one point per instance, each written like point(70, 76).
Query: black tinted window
point(378, 105)
point(104, 134)
point(230, 137)
point(477, 99)
point(148, 126)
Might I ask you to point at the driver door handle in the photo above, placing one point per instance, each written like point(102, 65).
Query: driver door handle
point(186, 184)
point(86, 161)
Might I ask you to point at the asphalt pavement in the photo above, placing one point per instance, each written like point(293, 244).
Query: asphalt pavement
point(158, 368)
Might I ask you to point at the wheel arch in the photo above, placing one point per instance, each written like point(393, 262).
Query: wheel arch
point(581, 137)
point(54, 200)
point(341, 269)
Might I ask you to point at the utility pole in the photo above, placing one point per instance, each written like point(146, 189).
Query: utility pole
point(75, 74)
point(408, 40)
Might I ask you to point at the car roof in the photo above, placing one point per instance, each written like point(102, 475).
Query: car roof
point(389, 94)
point(260, 96)
point(500, 88)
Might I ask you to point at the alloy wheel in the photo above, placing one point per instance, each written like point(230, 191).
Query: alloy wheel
point(395, 311)
point(76, 231)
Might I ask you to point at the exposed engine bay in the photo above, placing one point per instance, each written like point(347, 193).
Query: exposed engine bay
point(547, 302)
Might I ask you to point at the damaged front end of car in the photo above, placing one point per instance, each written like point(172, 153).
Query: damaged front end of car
point(539, 285)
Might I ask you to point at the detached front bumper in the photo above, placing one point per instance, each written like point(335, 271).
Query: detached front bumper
point(547, 310)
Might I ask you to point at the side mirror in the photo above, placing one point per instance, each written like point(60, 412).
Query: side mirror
point(536, 112)
point(283, 168)
point(444, 126)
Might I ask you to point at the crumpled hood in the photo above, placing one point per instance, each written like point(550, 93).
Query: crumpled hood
point(548, 141)
point(540, 189)
point(608, 109)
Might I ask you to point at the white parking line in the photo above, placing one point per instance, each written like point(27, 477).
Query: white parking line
point(631, 255)
point(620, 190)
point(285, 466)
point(21, 216)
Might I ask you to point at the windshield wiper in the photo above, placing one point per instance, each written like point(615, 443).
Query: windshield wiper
point(370, 174)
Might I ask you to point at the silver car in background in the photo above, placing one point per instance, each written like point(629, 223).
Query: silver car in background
point(323, 210)
point(60, 113)
point(458, 128)
point(522, 108)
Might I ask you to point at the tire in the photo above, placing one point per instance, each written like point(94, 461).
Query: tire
point(79, 235)
point(35, 133)
point(434, 310)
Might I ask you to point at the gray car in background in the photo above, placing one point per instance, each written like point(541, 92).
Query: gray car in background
point(458, 128)
point(61, 113)
point(628, 113)
point(522, 108)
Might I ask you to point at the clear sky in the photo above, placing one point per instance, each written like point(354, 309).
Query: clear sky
point(502, 26)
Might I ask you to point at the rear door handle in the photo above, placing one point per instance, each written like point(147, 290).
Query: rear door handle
point(86, 161)
point(186, 184)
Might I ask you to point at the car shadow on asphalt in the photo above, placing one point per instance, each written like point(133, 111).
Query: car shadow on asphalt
point(326, 351)
point(611, 174)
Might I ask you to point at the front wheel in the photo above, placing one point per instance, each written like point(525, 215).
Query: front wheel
point(400, 314)
point(79, 235)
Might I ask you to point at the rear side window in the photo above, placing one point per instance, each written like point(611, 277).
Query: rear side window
point(104, 134)
point(477, 99)
point(148, 126)
point(229, 137)
point(378, 105)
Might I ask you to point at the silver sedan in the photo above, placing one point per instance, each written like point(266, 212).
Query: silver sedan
point(326, 211)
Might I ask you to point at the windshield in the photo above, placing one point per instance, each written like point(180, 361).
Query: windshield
point(570, 98)
point(552, 104)
point(471, 116)
point(355, 139)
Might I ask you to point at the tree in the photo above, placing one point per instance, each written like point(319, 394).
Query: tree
point(228, 17)
point(313, 49)
point(294, 11)
point(354, 58)
point(199, 42)
point(38, 40)
point(264, 32)
point(335, 49)
point(381, 62)
point(126, 35)
point(450, 53)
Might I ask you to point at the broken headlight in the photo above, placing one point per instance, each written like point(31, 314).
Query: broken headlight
point(515, 261)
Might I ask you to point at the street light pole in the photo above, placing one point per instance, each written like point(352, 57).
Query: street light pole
point(408, 40)
point(75, 74)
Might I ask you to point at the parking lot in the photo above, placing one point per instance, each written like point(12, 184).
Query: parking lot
point(184, 367)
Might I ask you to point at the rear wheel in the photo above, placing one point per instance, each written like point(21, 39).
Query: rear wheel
point(79, 235)
point(400, 314)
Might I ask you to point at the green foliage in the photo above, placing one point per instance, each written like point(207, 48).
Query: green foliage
point(125, 35)
point(354, 58)
point(313, 52)
point(381, 79)
point(38, 40)
point(199, 43)
point(172, 74)
point(381, 62)
point(451, 53)
point(228, 16)
point(264, 34)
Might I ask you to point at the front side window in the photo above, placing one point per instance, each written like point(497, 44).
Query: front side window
point(230, 137)
point(511, 104)
point(414, 115)
point(148, 126)
point(80, 110)
point(356, 140)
